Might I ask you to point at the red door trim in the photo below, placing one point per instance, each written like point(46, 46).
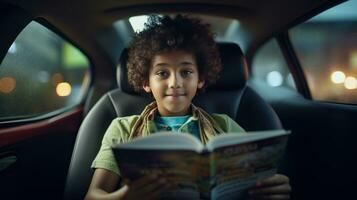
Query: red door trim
point(65, 122)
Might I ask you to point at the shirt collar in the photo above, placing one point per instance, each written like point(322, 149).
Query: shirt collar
point(193, 110)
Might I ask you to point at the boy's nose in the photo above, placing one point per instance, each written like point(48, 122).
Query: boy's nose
point(175, 81)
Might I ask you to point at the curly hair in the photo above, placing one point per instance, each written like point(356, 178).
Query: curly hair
point(165, 34)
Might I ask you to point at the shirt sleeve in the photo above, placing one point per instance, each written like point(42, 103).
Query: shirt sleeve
point(228, 124)
point(116, 133)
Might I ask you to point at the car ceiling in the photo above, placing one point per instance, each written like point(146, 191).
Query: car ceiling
point(84, 19)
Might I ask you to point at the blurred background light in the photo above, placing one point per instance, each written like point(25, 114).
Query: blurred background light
point(7, 84)
point(137, 22)
point(338, 77)
point(350, 83)
point(57, 78)
point(43, 76)
point(353, 59)
point(63, 89)
point(274, 78)
point(290, 80)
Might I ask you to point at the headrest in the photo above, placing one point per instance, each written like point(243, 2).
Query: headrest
point(234, 72)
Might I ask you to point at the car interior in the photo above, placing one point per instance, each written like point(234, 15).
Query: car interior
point(228, 95)
point(49, 139)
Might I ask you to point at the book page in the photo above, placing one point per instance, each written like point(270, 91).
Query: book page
point(179, 167)
point(173, 156)
point(237, 167)
point(164, 140)
point(239, 138)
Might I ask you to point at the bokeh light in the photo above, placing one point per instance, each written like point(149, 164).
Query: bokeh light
point(274, 78)
point(57, 78)
point(338, 77)
point(63, 89)
point(7, 84)
point(350, 83)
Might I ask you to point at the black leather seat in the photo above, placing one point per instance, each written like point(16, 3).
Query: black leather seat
point(230, 95)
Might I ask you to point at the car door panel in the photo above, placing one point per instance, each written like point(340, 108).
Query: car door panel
point(34, 157)
point(321, 147)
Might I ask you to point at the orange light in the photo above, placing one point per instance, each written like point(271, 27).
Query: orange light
point(57, 78)
point(63, 89)
point(7, 84)
point(338, 77)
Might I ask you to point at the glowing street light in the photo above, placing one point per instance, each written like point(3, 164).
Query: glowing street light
point(7, 84)
point(274, 78)
point(63, 89)
point(350, 83)
point(338, 77)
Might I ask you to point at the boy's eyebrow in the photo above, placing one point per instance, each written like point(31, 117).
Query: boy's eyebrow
point(166, 64)
point(161, 65)
point(186, 63)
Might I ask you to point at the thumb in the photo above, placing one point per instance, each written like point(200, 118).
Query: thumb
point(122, 192)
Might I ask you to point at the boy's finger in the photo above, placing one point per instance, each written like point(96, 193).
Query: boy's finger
point(277, 179)
point(123, 191)
point(280, 189)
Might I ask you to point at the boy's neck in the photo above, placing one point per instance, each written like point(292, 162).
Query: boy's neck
point(188, 112)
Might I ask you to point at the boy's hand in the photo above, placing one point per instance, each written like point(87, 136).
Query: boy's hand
point(148, 187)
point(275, 187)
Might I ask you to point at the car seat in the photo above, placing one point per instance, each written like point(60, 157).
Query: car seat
point(230, 95)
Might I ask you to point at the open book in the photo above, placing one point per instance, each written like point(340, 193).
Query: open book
point(223, 169)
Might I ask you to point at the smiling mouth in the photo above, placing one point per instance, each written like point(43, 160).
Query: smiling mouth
point(175, 95)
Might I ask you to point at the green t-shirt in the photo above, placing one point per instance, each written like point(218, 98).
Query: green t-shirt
point(119, 131)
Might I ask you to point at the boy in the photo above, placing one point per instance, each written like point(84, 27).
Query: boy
point(171, 59)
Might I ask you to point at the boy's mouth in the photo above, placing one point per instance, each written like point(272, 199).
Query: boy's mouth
point(175, 94)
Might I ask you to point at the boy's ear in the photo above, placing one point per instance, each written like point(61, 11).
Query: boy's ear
point(200, 84)
point(147, 88)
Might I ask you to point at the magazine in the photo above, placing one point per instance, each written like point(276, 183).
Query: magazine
point(223, 169)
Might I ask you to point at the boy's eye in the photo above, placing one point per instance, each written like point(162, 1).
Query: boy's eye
point(162, 73)
point(186, 73)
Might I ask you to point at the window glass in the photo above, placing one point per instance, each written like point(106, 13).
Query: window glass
point(326, 46)
point(224, 28)
point(41, 73)
point(269, 67)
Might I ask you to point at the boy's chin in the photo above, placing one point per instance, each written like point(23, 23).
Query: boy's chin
point(177, 111)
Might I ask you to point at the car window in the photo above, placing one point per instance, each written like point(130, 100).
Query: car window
point(41, 73)
point(269, 67)
point(224, 28)
point(326, 46)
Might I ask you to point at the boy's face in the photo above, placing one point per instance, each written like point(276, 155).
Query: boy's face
point(173, 81)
